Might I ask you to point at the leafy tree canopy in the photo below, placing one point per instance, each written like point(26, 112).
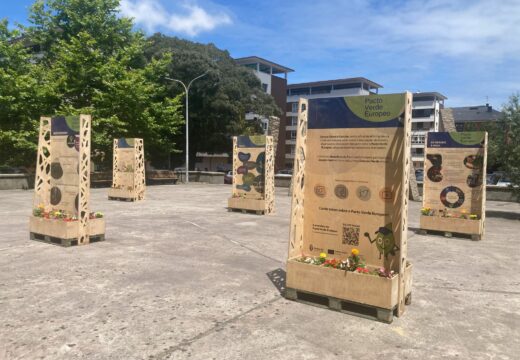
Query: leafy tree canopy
point(217, 101)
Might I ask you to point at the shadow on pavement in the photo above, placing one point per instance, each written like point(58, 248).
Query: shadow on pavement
point(277, 277)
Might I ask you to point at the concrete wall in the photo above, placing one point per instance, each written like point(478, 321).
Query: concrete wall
point(208, 177)
point(16, 181)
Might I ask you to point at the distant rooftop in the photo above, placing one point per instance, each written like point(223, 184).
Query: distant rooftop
point(337, 81)
point(430, 93)
point(277, 68)
point(475, 113)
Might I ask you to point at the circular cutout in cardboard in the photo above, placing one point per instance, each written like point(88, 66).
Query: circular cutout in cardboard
point(452, 197)
point(55, 195)
point(56, 170)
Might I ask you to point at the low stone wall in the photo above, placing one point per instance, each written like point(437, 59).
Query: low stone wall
point(208, 177)
point(282, 180)
point(16, 181)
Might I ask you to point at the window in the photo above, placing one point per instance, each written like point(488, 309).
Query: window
point(294, 108)
point(264, 87)
point(423, 98)
point(300, 91)
point(421, 113)
point(294, 120)
point(321, 89)
point(347, 86)
point(292, 135)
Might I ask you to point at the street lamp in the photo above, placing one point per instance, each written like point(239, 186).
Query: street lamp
point(187, 89)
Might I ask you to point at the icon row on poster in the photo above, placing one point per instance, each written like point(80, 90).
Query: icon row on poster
point(363, 192)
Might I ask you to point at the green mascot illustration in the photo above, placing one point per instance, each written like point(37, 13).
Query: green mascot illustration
point(384, 240)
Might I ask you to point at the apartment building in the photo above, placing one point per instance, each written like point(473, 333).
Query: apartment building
point(426, 108)
point(314, 90)
point(273, 78)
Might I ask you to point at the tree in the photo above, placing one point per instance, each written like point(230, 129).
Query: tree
point(89, 60)
point(19, 99)
point(218, 101)
point(507, 139)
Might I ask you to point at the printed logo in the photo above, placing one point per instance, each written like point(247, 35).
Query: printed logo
point(386, 194)
point(363, 193)
point(341, 191)
point(320, 190)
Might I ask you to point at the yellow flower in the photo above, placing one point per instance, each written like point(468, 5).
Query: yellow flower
point(355, 252)
point(323, 255)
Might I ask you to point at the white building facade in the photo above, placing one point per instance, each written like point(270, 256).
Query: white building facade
point(425, 118)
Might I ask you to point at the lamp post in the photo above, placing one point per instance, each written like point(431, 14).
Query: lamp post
point(187, 89)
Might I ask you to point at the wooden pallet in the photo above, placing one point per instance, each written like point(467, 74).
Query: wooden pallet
point(247, 211)
point(449, 234)
point(344, 306)
point(63, 242)
point(122, 198)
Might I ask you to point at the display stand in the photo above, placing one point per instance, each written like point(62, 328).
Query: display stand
point(454, 196)
point(253, 174)
point(62, 184)
point(350, 194)
point(128, 179)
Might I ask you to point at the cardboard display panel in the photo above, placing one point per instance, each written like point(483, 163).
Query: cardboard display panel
point(351, 181)
point(128, 179)
point(62, 183)
point(455, 182)
point(253, 174)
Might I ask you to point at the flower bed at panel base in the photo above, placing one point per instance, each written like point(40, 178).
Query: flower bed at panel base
point(449, 214)
point(354, 263)
point(41, 212)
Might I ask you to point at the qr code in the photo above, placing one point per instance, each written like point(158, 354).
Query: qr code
point(350, 234)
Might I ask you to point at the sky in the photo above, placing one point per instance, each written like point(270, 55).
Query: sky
point(468, 50)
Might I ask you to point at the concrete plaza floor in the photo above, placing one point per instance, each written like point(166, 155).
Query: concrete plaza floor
point(179, 277)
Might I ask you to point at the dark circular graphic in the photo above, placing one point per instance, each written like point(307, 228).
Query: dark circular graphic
point(71, 141)
point(341, 191)
point(55, 195)
point(363, 193)
point(434, 174)
point(473, 162)
point(435, 159)
point(76, 142)
point(474, 180)
point(320, 190)
point(56, 170)
point(446, 194)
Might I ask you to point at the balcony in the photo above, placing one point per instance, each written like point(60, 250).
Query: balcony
point(289, 156)
point(290, 142)
point(423, 119)
point(423, 104)
point(419, 158)
point(290, 128)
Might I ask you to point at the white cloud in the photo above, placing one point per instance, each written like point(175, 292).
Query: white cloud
point(190, 19)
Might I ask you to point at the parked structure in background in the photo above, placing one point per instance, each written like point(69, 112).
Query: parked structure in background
point(314, 90)
point(213, 162)
point(426, 109)
point(273, 78)
point(474, 118)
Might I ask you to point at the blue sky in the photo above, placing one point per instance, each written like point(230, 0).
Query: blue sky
point(467, 49)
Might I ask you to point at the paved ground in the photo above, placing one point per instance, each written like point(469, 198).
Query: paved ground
point(180, 277)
